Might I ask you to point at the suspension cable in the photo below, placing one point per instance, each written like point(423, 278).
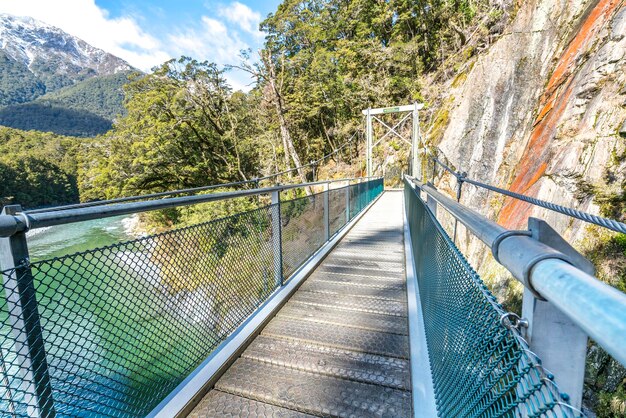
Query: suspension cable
point(583, 216)
point(312, 163)
point(189, 190)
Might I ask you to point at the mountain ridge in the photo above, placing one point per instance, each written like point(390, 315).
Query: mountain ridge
point(56, 82)
point(35, 45)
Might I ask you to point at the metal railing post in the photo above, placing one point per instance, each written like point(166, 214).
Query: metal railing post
point(348, 203)
point(597, 308)
point(431, 203)
point(25, 323)
point(459, 187)
point(550, 332)
point(326, 211)
point(368, 142)
point(277, 240)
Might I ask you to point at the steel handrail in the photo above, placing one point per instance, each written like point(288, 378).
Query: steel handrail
point(597, 308)
point(24, 221)
point(141, 197)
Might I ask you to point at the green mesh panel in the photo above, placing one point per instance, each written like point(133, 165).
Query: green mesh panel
point(125, 324)
point(479, 367)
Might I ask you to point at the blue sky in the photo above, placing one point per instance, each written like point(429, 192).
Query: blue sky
point(148, 32)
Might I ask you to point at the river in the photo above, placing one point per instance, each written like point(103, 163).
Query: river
point(116, 341)
point(61, 240)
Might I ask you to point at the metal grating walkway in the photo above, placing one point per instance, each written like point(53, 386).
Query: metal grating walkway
point(340, 346)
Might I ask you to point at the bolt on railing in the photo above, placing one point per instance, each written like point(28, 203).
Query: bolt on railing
point(111, 331)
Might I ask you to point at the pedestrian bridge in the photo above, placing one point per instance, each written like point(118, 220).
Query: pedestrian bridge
point(346, 301)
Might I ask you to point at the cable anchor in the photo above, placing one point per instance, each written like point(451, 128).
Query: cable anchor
point(511, 320)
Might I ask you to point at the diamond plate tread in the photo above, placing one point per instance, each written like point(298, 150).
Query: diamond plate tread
point(355, 245)
point(381, 234)
point(338, 336)
point(336, 268)
point(370, 255)
point(217, 404)
point(328, 315)
point(312, 393)
point(364, 262)
point(329, 361)
point(370, 243)
point(372, 239)
point(353, 280)
point(366, 292)
point(351, 303)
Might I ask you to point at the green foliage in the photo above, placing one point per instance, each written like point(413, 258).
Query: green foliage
point(37, 169)
point(612, 404)
point(84, 109)
point(46, 117)
point(184, 128)
point(17, 83)
point(102, 96)
point(337, 57)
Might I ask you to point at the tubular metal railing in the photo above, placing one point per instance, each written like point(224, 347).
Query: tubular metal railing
point(479, 366)
point(112, 331)
point(550, 274)
point(596, 307)
point(573, 213)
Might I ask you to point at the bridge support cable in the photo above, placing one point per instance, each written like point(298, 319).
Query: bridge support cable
point(551, 271)
point(573, 213)
point(254, 182)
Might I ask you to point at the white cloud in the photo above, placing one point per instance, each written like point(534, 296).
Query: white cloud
point(83, 18)
point(242, 16)
point(214, 41)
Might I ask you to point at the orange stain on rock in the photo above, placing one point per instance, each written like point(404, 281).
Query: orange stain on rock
point(552, 103)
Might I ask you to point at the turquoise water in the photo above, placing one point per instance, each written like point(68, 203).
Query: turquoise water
point(124, 324)
point(57, 241)
point(116, 341)
point(118, 336)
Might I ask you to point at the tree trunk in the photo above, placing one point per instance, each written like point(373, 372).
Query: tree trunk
point(290, 150)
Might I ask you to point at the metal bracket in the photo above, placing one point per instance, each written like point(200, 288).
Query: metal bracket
point(555, 247)
point(511, 320)
point(544, 233)
point(551, 332)
point(495, 245)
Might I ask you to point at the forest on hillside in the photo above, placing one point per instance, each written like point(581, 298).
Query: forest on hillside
point(322, 62)
point(84, 109)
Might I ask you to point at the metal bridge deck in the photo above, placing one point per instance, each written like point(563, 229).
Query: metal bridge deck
point(339, 346)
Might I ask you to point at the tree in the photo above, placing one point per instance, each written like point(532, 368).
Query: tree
point(184, 128)
point(37, 169)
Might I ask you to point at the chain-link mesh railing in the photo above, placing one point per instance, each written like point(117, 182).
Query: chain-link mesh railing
point(302, 230)
point(480, 367)
point(118, 328)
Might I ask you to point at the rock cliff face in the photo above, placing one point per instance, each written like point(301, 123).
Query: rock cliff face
point(540, 113)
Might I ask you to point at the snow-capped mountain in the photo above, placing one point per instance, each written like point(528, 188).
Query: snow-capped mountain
point(37, 58)
point(26, 40)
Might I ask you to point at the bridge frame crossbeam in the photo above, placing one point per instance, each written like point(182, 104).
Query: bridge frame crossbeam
point(412, 111)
